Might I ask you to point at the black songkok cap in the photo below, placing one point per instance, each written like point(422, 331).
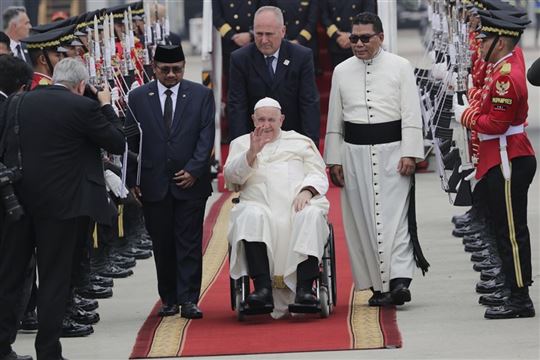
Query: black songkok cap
point(169, 54)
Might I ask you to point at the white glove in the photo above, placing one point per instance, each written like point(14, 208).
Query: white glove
point(459, 109)
point(114, 184)
point(439, 70)
point(470, 84)
point(453, 81)
point(134, 85)
point(115, 94)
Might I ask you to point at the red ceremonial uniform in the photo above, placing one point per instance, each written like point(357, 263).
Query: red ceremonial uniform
point(503, 104)
point(39, 79)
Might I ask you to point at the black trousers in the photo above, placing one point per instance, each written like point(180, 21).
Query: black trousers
point(54, 241)
point(176, 228)
point(508, 213)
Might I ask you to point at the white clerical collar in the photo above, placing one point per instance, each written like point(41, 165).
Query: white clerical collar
point(162, 88)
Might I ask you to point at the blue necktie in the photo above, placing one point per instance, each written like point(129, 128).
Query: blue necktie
point(269, 61)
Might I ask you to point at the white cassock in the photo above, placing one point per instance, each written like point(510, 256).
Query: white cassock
point(375, 198)
point(265, 212)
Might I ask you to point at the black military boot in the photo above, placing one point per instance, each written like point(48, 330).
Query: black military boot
point(490, 273)
point(472, 228)
point(29, 321)
point(496, 299)
point(71, 328)
point(491, 262)
point(94, 292)
point(518, 305)
point(85, 304)
point(490, 286)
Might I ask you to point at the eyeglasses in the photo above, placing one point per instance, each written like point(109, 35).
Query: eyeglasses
point(168, 69)
point(363, 38)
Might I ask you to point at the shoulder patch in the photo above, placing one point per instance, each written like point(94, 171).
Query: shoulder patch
point(506, 69)
point(502, 87)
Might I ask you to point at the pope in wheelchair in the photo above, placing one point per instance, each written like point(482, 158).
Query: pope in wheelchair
point(278, 228)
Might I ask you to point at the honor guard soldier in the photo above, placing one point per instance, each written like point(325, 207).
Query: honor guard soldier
point(507, 162)
point(336, 17)
point(45, 51)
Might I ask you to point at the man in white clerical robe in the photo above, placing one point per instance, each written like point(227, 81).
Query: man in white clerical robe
point(278, 230)
point(373, 140)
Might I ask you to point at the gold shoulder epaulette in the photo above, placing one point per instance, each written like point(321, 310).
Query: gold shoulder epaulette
point(506, 69)
point(44, 81)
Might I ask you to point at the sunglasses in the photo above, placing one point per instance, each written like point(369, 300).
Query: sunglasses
point(168, 69)
point(363, 38)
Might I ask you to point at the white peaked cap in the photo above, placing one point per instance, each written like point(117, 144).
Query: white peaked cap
point(267, 102)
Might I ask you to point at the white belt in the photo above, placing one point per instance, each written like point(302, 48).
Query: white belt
point(512, 130)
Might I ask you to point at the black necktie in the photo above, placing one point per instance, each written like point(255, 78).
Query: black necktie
point(168, 111)
point(20, 53)
point(269, 61)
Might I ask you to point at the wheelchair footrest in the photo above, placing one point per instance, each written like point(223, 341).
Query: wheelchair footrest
point(305, 308)
point(258, 310)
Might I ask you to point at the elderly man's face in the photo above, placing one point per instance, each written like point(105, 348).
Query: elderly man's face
point(268, 32)
point(270, 119)
point(373, 41)
point(20, 26)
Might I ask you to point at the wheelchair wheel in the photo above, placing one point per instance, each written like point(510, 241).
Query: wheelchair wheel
point(332, 250)
point(326, 307)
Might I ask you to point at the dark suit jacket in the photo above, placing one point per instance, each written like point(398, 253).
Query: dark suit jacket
point(188, 146)
point(61, 135)
point(293, 86)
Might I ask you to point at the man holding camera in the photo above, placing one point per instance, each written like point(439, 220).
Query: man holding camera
point(57, 135)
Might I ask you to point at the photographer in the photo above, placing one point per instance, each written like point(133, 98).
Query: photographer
point(53, 138)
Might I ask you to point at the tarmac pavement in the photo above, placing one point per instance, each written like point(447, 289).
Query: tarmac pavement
point(443, 320)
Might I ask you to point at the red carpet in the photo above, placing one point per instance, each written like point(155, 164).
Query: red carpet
point(352, 325)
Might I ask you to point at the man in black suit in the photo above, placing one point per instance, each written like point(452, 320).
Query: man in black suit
point(276, 68)
point(17, 27)
point(62, 186)
point(177, 121)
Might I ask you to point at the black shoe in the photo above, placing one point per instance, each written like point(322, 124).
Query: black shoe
point(124, 262)
point(101, 281)
point(138, 254)
point(467, 216)
point(72, 329)
point(83, 317)
point(490, 273)
point(94, 292)
point(85, 304)
point(510, 310)
point(260, 298)
point(400, 294)
point(469, 229)
point(380, 299)
point(144, 244)
point(473, 237)
point(496, 299)
point(191, 311)
point(490, 263)
point(479, 256)
point(114, 271)
point(475, 246)
point(13, 356)
point(489, 286)
point(306, 297)
point(168, 310)
point(29, 321)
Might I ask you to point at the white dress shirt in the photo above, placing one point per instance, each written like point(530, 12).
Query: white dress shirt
point(162, 96)
point(13, 45)
point(274, 62)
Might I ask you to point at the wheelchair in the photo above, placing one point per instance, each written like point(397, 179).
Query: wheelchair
point(326, 288)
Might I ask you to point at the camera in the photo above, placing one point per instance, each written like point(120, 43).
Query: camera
point(8, 176)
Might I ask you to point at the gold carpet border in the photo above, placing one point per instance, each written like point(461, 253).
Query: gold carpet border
point(364, 322)
point(169, 335)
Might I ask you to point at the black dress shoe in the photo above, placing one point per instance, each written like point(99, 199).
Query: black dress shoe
point(400, 294)
point(473, 237)
point(138, 254)
point(481, 255)
point(510, 310)
point(29, 321)
point(380, 299)
point(475, 246)
point(114, 271)
point(101, 280)
point(465, 217)
point(489, 263)
point(144, 244)
point(496, 299)
point(489, 286)
point(490, 273)
point(94, 292)
point(306, 297)
point(168, 310)
point(13, 356)
point(472, 228)
point(190, 311)
point(85, 304)
point(260, 298)
point(72, 329)
point(83, 317)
